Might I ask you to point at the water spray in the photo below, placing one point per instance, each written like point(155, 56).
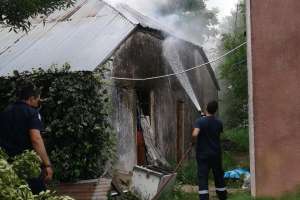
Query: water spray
point(172, 56)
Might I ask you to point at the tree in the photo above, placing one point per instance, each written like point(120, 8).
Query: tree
point(16, 13)
point(234, 70)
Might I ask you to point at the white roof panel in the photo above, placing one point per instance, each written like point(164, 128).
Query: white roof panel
point(87, 38)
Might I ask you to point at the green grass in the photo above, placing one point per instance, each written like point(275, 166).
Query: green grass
point(187, 174)
point(247, 196)
point(179, 195)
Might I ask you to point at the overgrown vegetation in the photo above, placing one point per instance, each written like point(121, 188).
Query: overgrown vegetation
point(16, 13)
point(187, 174)
point(177, 194)
point(234, 72)
point(236, 140)
point(13, 175)
point(76, 109)
point(247, 196)
point(125, 196)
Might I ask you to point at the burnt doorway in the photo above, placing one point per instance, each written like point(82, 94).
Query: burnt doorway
point(179, 130)
point(143, 111)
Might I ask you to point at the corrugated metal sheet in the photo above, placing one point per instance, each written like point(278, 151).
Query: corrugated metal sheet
point(83, 36)
point(96, 189)
point(145, 21)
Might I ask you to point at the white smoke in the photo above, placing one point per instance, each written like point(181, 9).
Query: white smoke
point(186, 25)
point(149, 7)
point(171, 54)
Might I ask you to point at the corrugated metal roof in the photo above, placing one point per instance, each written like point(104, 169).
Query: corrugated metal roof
point(138, 18)
point(83, 36)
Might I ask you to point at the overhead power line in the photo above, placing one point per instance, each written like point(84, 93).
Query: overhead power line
point(182, 72)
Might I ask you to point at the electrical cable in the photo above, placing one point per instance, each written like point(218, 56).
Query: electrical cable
point(178, 73)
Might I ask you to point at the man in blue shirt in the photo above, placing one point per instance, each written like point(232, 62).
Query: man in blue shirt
point(207, 132)
point(20, 130)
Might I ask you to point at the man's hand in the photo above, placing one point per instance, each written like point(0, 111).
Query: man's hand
point(47, 174)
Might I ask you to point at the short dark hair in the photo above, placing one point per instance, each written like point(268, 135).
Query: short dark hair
point(24, 92)
point(212, 107)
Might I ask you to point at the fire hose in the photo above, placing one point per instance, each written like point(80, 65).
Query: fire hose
point(175, 171)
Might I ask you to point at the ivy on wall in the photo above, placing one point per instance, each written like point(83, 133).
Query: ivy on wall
point(76, 109)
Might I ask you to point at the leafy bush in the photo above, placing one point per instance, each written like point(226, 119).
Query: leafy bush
point(79, 137)
point(12, 178)
point(236, 140)
point(233, 71)
point(27, 165)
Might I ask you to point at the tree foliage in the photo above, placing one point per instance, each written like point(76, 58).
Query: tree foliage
point(78, 133)
point(234, 71)
point(16, 13)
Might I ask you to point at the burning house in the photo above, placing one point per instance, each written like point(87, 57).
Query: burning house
point(161, 109)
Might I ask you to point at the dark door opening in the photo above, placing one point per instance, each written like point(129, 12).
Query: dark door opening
point(143, 109)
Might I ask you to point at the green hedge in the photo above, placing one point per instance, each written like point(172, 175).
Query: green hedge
point(79, 136)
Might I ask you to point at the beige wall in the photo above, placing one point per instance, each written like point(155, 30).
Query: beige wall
point(274, 95)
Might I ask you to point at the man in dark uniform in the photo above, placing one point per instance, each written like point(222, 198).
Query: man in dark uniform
point(20, 130)
point(207, 132)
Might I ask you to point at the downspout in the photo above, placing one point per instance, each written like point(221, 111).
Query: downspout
point(250, 100)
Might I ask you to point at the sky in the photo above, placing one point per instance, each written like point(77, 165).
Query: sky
point(224, 6)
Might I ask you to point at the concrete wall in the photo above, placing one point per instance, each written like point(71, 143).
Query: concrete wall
point(141, 56)
point(273, 31)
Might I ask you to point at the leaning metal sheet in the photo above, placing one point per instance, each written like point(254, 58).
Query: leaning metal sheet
point(86, 39)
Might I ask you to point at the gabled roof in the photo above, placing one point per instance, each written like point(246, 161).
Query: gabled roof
point(84, 36)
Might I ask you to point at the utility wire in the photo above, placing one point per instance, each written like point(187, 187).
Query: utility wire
point(182, 72)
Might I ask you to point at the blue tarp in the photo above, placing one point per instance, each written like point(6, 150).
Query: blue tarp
point(236, 173)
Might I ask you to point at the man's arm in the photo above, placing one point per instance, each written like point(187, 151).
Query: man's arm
point(39, 147)
point(196, 132)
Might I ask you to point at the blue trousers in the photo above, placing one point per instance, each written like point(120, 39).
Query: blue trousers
point(36, 185)
point(205, 164)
